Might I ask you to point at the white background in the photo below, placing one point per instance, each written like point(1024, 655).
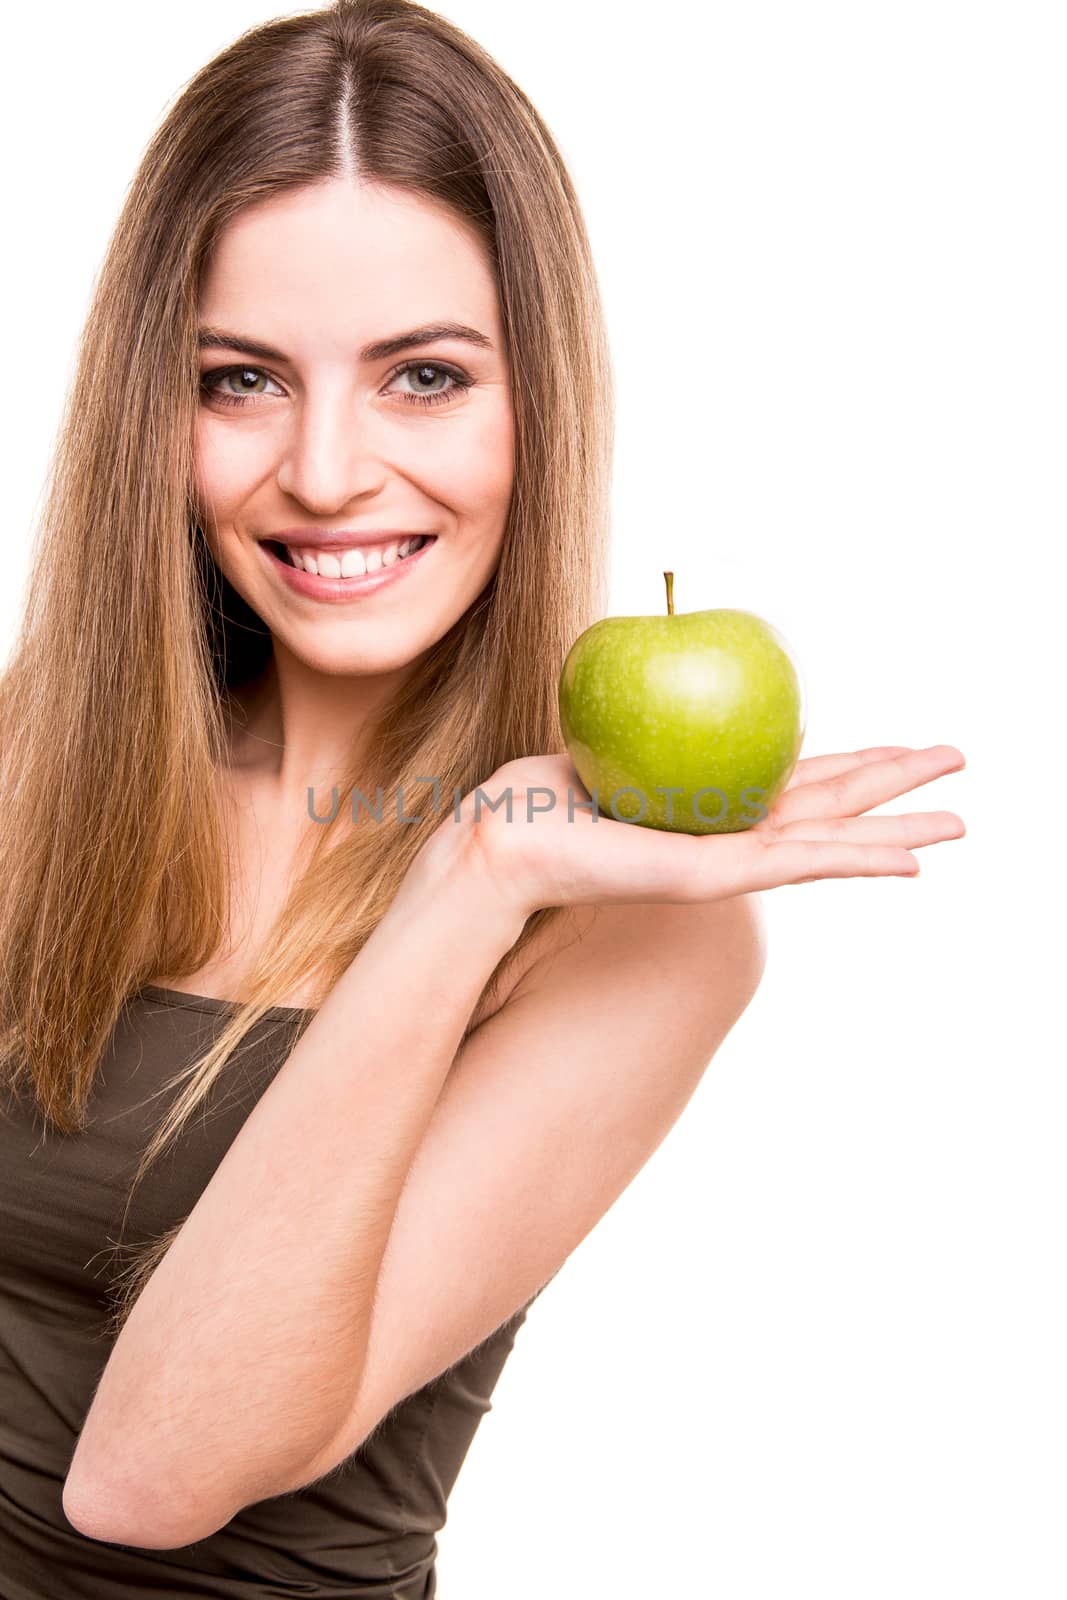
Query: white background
point(817, 1347)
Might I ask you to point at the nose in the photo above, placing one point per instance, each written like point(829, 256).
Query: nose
point(333, 455)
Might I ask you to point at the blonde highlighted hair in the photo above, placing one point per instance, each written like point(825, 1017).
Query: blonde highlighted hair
point(116, 698)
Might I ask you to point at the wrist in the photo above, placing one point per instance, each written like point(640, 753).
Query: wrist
point(454, 869)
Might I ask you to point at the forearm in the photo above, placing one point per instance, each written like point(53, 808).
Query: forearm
point(244, 1351)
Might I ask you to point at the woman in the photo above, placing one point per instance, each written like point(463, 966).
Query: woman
point(329, 508)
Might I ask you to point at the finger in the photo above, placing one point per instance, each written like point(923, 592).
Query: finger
point(869, 784)
point(772, 865)
point(814, 768)
point(912, 829)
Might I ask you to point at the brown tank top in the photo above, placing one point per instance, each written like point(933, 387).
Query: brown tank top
point(367, 1529)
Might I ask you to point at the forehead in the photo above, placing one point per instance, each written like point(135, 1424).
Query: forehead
point(341, 263)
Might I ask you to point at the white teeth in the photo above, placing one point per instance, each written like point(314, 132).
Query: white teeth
point(352, 563)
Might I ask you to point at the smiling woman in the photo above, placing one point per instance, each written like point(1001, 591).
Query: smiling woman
point(342, 422)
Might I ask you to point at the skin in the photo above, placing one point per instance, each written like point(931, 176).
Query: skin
point(328, 440)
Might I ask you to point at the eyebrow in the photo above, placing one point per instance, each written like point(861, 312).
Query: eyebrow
point(221, 339)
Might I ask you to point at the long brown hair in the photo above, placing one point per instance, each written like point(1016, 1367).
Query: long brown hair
point(114, 704)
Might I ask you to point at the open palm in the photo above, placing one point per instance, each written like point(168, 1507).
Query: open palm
point(817, 828)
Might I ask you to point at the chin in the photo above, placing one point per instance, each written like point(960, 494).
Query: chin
point(361, 647)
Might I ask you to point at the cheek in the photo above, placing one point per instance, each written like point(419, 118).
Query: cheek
point(471, 470)
point(228, 463)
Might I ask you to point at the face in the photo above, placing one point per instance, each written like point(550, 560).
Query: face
point(353, 419)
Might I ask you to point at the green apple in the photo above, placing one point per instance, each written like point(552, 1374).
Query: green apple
point(690, 723)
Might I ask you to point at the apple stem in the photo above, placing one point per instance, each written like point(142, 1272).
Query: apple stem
point(670, 593)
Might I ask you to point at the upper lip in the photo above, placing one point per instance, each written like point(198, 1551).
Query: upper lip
point(340, 538)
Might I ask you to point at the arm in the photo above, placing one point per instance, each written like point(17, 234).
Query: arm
point(552, 1107)
point(246, 1345)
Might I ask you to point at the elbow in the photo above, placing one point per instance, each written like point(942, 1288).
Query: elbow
point(113, 1516)
point(92, 1514)
point(141, 1499)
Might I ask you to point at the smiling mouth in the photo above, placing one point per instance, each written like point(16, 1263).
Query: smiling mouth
point(284, 554)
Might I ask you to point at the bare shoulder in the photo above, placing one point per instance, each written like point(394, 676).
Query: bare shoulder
point(724, 939)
